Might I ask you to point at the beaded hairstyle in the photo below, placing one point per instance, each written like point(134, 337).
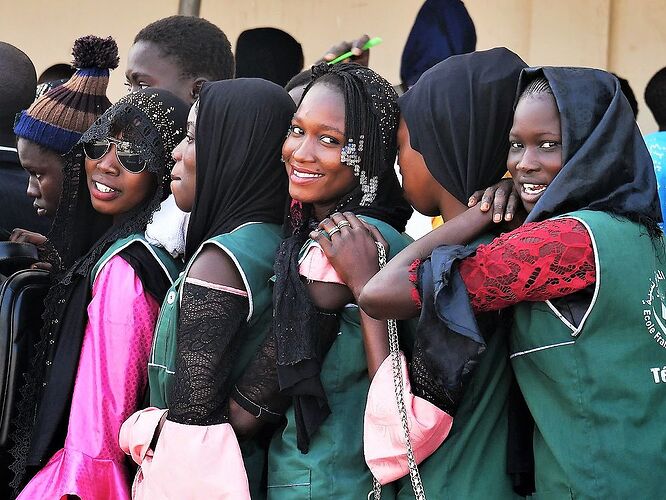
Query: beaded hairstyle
point(153, 121)
point(371, 121)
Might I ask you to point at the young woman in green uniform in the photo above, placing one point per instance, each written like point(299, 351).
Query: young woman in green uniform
point(339, 156)
point(228, 175)
point(585, 277)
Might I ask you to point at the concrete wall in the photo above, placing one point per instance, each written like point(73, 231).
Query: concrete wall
point(624, 36)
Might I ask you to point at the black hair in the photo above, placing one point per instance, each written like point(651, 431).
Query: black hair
point(538, 85)
point(302, 79)
point(60, 71)
point(268, 53)
point(200, 48)
point(17, 85)
point(371, 113)
point(628, 93)
point(655, 97)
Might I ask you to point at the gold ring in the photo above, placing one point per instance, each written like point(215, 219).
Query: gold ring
point(342, 224)
point(336, 229)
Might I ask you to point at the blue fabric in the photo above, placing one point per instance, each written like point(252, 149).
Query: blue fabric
point(656, 144)
point(49, 136)
point(448, 337)
point(443, 28)
point(449, 293)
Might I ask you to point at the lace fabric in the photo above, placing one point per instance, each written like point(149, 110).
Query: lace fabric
point(207, 343)
point(266, 391)
point(424, 384)
point(258, 390)
point(536, 262)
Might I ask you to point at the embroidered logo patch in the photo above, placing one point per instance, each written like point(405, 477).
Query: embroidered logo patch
point(654, 310)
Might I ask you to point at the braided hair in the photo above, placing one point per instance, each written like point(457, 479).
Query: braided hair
point(371, 122)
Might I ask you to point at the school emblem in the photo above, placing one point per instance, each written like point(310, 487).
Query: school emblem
point(654, 309)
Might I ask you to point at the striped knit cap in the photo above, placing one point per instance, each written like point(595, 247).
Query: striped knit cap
point(58, 119)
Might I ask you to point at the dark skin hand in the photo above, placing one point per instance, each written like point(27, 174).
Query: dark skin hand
point(504, 200)
point(352, 251)
point(24, 236)
point(388, 293)
point(360, 56)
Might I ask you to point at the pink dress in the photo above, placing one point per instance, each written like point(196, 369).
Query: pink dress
point(110, 384)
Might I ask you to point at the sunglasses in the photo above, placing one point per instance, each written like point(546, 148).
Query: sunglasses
point(128, 158)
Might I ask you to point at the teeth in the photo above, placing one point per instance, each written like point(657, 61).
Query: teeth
point(534, 188)
point(104, 188)
point(306, 175)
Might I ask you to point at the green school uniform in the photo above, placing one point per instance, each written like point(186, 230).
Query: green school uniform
point(334, 467)
point(252, 247)
point(596, 390)
point(471, 463)
point(168, 264)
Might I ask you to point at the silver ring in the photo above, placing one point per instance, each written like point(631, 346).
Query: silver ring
point(336, 229)
point(342, 224)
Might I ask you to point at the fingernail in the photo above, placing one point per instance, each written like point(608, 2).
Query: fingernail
point(470, 202)
point(508, 217)
point(356, 51)
point(497, 218)
point(485, 206)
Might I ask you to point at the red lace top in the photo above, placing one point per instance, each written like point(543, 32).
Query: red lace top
point(536, 262)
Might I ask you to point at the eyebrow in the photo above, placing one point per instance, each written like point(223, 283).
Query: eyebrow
point(334, 129)
point(322, 126)
point(135, 75)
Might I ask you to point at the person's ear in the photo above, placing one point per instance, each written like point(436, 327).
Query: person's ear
point(196, 87)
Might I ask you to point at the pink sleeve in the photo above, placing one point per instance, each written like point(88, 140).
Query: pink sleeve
point(316, 267)
point(189, 461)
point(383, 435)
point(110, 384)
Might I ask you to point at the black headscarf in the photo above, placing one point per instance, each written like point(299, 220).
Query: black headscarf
point(459, 115)
point(606, 165)
point(239, 132)
point(154, 122)
point(268, 53)
point(371, 118)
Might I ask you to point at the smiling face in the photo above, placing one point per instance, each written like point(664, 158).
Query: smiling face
point(148, 67)
point(45, 182)
point(113, 189)
point(312, 150)
point(184, 173)
point(535, 155)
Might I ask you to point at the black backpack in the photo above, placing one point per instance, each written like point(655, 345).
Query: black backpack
point(22, 293)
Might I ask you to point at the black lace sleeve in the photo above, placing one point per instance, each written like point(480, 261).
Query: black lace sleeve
point(207, 343)
point(258, 390)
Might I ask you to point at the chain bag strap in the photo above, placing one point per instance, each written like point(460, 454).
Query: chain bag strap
point(394, 349)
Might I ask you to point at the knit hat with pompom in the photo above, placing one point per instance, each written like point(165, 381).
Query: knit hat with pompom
point(58, 119)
